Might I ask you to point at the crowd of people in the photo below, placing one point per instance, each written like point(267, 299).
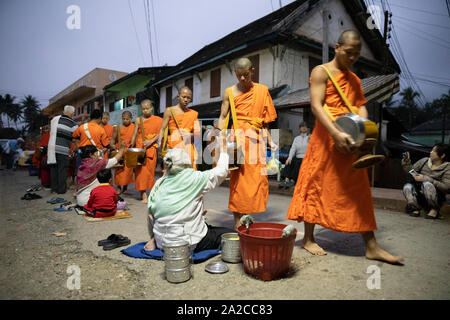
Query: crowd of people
point(328, 190)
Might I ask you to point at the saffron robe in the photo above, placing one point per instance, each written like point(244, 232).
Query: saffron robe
point(123, 176)
point(188, 121)
point(249, 185)
point(329, 191)
point(145, 174)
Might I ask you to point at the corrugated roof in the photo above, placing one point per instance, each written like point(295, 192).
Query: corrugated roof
point(377, 88)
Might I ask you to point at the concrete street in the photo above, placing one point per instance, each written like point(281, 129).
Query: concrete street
point(34, 262)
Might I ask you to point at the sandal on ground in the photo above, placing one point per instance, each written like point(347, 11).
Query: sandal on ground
point(118, 241)
point(438, 216)
point(56, 200)
point(415, 213)
point(62, 208)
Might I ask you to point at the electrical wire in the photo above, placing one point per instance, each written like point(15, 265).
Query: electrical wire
point(154, 32)
point(135, 32)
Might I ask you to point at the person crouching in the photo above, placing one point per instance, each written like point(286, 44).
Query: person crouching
point(103, 199)
point(175, 204)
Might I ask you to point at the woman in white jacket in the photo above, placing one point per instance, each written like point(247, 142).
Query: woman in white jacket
point(176, 202)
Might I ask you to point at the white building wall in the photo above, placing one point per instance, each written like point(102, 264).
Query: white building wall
point(292, 68)
point(339, 22)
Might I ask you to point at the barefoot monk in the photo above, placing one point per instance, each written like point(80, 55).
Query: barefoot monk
point(329, 191)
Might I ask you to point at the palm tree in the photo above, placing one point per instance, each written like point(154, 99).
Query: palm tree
point(31, 112)
point(13, 110)
point(408, 96)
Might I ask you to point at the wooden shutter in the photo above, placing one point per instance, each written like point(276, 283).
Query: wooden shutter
point(190, 84)
point(255, 63)
point(168, 96)
point(215, 83)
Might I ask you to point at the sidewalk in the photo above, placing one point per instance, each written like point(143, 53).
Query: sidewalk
point(383, 198)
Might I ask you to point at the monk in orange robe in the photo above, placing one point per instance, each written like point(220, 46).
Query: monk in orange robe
point(109, 129)
point(182, 132)
point(148, 140)
point(123, 176)
point(249, 185)
point(329, 191)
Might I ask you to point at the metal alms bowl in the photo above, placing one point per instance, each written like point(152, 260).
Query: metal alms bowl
point(353, 125)
point(135, 150)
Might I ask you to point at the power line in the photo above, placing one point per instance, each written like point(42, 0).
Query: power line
point(425, 75)
point(408, 74)
point(135, 32)
point(428, 34)
point(422, 22)
point(425, 38)
point(148, 27)
point(420, 10)
point(155, 33)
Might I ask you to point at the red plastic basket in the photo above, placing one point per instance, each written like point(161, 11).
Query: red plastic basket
point(265, 253)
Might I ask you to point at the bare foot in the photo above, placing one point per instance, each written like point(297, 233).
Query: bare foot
point(144, 200)
point(149, 246)
point(313, 248)
point(381, 255)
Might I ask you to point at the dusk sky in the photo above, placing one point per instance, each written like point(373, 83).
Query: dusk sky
point(41, 56)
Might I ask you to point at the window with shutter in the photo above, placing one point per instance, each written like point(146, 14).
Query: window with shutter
point(168, 96)
point(255, 63)
point(215, 83)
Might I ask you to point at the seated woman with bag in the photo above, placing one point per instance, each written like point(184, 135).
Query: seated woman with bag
point(175, 203)
point(429, 182)
point(87, 172)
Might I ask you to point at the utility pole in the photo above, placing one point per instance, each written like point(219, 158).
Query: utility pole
point(386, 36)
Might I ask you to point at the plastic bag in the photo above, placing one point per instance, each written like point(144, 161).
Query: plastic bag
point(273, 166)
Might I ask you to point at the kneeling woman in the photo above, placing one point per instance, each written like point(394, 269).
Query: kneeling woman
point(87, 172)
point(176, 202)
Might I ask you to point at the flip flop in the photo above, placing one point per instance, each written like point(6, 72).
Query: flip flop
point(56, 200)
point(107, 240)
point(119, 241)
point(62, 208)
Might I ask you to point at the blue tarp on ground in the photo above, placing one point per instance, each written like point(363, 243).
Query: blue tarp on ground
point(138, 251)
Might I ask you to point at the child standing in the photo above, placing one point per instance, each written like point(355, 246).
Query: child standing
point(103, 199)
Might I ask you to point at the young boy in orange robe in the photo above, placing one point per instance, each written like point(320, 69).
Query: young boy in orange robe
point(146, 137)
point(249, 185)
point(123, 176)
point(181, 132)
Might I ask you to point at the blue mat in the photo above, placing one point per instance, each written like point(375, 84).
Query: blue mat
point(138, 251)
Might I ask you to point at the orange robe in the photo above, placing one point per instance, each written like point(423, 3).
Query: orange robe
point(123, 176)
point(109, 129)
point(329, 192)
point(145, 174)
point(187, 121)
point(37, 153)
point(249, 185)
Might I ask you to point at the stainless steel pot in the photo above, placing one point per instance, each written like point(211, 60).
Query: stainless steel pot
point(178, 275)
point(230, 247)
point(178, 249)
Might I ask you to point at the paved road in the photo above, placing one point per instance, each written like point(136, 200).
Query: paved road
point(34, 263)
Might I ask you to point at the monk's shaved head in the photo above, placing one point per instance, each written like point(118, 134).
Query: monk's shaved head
point(348, 35)
point(243, 63)
point(185, 88)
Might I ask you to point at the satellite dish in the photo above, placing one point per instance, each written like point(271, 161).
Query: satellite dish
point(112, 77)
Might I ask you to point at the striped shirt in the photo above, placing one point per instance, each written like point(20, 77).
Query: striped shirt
point(64, 131)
